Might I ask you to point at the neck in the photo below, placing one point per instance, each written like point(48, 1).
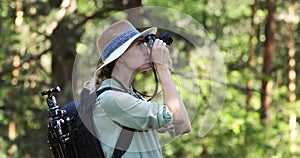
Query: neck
point(124, 75)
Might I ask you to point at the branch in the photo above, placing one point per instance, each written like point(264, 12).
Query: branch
point(243, 89)
point(35, 57)
point(99, 14)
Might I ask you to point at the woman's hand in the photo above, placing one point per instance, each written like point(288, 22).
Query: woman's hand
point(160, 54)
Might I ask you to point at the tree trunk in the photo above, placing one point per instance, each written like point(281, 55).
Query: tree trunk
point(250, 77)
point(292, 79)
point(267, 84)
point(63, 41)
point(250, 60)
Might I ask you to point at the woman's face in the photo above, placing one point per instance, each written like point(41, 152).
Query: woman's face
point(137, 56)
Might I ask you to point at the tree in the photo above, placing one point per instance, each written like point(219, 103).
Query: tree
point(291, 77)
point(267, 83)
point(38, 41)
point(251, 73)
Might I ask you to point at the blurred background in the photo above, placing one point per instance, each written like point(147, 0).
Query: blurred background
point(257, 41)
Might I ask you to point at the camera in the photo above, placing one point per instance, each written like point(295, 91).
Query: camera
point(149, 39)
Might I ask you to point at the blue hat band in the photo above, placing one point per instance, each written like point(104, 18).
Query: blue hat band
point(116, 42)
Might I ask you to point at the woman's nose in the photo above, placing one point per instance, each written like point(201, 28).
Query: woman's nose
point(146, 49)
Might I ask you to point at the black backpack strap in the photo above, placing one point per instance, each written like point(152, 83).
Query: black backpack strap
point(123, 142)
point(98, 92)
point(126, 134)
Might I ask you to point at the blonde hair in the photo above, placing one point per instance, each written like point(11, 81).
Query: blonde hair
point(99, 76)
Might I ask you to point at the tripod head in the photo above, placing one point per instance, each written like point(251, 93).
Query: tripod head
point(52, 90)
point(53, 108)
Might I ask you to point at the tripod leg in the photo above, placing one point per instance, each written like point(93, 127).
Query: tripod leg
point(55, 147)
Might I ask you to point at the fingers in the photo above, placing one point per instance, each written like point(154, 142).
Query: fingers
point(160, 46)
point(160, 53)
point(160, 43)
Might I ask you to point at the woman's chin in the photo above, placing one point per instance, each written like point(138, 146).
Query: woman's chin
point(145, 67)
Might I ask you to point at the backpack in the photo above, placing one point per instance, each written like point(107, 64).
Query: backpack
point(69, 136)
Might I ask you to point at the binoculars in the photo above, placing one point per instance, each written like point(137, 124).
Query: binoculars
point(149, 39)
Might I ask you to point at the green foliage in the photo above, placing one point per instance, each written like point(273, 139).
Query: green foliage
point(26, 70)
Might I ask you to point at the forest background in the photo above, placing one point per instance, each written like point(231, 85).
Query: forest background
point(258, 45)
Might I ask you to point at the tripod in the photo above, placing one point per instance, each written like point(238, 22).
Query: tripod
point(60, 129)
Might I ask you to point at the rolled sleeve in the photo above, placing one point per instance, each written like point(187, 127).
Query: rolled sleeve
point(165, 117)
point(132, 112)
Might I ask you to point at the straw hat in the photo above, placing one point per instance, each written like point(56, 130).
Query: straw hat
point(116, 39)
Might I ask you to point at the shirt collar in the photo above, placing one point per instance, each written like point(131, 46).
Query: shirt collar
point(113, 82)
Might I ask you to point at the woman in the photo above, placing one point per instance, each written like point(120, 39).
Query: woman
point(124, 55)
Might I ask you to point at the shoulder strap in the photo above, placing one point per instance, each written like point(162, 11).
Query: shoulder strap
point(126, 134)
point(98, 92)
point(123, 143)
